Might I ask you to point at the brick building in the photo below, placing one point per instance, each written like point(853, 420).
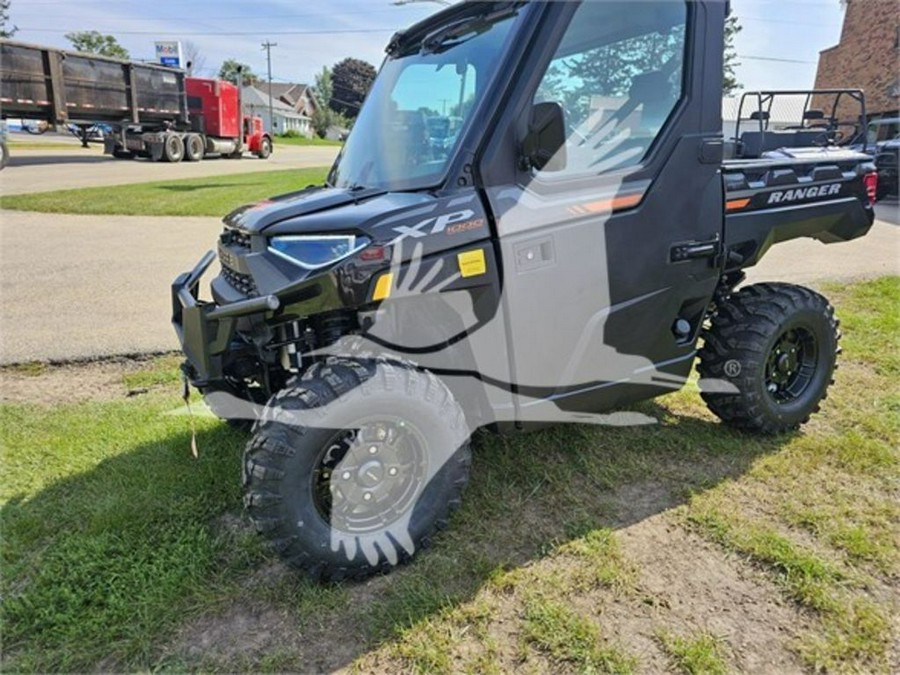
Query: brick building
point(867, 57)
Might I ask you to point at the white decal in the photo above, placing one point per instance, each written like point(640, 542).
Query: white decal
point(440, 224)
point(804, 193)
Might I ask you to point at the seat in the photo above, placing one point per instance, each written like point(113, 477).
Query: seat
point(755, 143)
point(653, 92)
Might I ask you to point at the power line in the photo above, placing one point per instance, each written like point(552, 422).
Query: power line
point(226, 33)
point(255, 17)
point(787, 21)
point(772, 58)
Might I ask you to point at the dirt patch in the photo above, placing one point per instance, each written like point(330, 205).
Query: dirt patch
point(76, 382)
point(239, 634)
point(687, 585)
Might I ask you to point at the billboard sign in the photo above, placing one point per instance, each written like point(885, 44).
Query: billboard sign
point(168, 53)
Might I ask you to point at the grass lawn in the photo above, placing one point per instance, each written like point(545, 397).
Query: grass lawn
point(300, 140)
point(211, 196)
point(684, 547)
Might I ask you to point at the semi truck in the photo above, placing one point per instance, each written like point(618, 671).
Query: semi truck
point(152, 111)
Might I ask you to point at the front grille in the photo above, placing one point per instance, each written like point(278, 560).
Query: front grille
point(236, 243)
point(232, 237)
point(240, 282)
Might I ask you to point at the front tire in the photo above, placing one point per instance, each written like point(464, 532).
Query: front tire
point(265, 149)
point(354, 467)
point(768, 357)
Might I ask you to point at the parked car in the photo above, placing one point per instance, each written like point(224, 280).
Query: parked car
point(886, 161)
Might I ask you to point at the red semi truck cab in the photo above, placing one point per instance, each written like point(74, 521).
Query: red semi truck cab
point(215, 111)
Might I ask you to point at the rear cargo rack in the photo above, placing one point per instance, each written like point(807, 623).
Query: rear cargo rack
point(799, 118)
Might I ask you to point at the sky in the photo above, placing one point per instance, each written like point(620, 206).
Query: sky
point(778, 47)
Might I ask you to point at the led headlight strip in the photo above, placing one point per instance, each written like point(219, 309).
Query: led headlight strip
point(314, 251)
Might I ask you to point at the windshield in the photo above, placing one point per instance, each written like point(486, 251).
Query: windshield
point(884, 130)
point(421, 102)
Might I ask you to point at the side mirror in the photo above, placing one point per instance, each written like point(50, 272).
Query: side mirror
point(544, 146)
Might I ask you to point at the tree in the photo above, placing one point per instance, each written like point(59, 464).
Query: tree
point(4, 21)
point(609, 70)
point(230, 69)
point(323, 116)
point(93, 42)
point(193, 57)
point(732, 28)
point(352, 79)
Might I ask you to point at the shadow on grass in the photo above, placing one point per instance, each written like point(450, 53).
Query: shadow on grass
point(44, 160)
point(146, 561)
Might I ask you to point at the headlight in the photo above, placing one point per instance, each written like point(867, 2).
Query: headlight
point(319, 250)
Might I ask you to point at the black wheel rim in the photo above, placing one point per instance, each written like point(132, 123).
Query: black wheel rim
point(370, 476)
point(791, 365)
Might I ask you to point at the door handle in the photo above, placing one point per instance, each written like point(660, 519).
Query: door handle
point(691, 250)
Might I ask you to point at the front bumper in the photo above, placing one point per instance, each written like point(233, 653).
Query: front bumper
point(205, 329)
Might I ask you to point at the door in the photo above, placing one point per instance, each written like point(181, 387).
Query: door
point(600, 309)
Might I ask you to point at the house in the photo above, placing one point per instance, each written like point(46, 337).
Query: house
point(285, 117)
point(866, 57)
point(298, 96)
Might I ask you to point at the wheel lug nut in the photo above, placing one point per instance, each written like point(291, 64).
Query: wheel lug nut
point(373, 450)
point(367, 496)
point(392, 471)
point(346, 475)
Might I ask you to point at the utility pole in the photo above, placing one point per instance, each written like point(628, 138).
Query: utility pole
point(268, 47)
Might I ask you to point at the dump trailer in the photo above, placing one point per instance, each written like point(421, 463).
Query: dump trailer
point(154, 111)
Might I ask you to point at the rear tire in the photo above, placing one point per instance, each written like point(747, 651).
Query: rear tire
point(360, 490)
point(4, 156)
point(193, 148)
point(769, 357)
point(173, 148)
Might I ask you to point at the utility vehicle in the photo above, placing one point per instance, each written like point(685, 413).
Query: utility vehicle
point(564, 254)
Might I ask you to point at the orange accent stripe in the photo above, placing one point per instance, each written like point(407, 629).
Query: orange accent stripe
point(737, 204)
point(607, 205)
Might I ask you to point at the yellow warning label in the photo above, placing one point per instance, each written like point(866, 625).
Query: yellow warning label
point(471, 263)
point(383, 286)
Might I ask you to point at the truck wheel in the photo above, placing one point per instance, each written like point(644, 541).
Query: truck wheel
point(768, 357)
point(354, 467)
point(265, 149)
point(173, 148)
point(193, 148)
point(4, 156)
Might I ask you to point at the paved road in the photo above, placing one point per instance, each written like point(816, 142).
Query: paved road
point(83, 286)
point(42, 170)
point(86, 286)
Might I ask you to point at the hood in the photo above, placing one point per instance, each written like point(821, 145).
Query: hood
point(435, 222)
point(254, 218)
